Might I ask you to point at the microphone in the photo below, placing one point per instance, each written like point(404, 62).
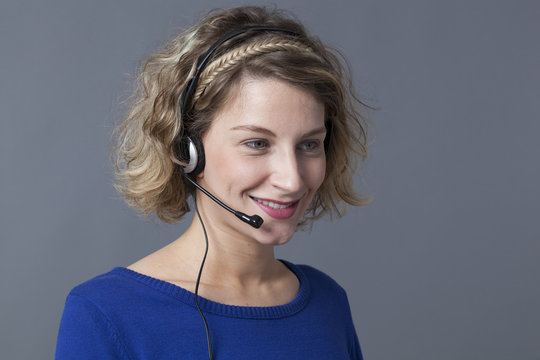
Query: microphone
point(254, 220)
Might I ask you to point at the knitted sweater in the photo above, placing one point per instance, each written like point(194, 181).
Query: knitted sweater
point(126, 315)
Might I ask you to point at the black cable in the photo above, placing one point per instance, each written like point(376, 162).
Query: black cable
point(197, 286)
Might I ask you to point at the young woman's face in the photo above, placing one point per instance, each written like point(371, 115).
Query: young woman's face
point(265, 156)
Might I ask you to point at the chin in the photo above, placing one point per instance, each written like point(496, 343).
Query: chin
point(273, 236)
point(279, 232)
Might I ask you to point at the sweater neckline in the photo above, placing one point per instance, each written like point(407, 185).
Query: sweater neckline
point(247, 312)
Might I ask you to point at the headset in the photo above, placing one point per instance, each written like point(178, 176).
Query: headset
point(190, 148)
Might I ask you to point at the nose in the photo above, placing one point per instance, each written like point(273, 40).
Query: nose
point(287, 172)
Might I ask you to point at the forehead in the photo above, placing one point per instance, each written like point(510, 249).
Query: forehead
point(270, 102)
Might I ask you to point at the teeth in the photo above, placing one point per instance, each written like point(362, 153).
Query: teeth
point(273, 205)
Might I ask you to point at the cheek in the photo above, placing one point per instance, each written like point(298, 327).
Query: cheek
point(229, 171)
point(217, 165)
point(316, 173)
point(248, 173)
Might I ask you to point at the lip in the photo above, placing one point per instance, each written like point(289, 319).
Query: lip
point(284, 213)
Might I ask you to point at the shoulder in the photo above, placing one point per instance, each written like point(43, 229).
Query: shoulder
point(87, 329)
point(328, 301)
point(115, 293)
point(314, 274)
point(319, 282)
point(104, 286)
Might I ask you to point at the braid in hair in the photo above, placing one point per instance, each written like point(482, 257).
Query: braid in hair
point(246, 51)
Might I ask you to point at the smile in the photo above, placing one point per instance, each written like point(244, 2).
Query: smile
point(273, 205)
point(277, 209)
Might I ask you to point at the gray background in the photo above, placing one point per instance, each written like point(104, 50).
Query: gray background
point(444, 264)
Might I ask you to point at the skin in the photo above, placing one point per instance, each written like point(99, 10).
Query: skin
point(266, 143)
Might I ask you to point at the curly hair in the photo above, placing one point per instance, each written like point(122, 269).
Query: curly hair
point(144, 143)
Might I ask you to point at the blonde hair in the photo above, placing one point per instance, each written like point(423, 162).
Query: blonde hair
point(144, 143)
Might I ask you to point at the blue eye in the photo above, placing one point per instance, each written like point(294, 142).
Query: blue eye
point(257, 144)
point(311, 145)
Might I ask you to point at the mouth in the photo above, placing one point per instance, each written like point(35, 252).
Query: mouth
point(277, 209)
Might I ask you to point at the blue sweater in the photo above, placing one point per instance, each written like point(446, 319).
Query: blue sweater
point(126, 315)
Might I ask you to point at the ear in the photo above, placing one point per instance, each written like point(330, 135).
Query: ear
point(200, 175)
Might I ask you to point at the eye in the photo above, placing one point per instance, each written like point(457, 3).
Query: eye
point(310, 145)
point(257, 144)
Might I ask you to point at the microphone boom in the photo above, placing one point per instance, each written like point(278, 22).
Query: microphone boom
point(254, 220)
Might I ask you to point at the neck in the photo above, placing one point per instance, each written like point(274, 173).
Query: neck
point(232, 258)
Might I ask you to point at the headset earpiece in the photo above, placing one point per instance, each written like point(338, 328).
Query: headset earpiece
point(192, 151)
point(328, 138)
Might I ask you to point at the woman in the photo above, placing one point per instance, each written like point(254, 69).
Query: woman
point(249, 108)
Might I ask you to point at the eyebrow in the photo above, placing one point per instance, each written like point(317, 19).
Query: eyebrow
point(268, 132)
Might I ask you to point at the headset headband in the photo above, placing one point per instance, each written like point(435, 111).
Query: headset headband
point(205, 58)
